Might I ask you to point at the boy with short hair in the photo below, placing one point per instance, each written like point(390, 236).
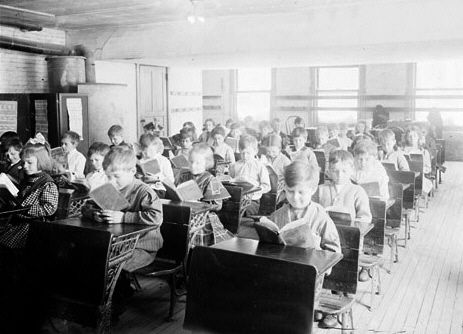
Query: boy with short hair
point(341, 193)
point(302, 152)
point(76, 160)
point(340, 140)
point(299, 122)
point(390, 153)
point(368, 169)
point(251, 170)
point(144, 205)
point(323, 143)
point(15, 166)
point(96, 153)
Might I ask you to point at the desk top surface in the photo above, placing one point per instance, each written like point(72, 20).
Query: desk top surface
point(196, 207)
point(117, 230)
point(320, 259)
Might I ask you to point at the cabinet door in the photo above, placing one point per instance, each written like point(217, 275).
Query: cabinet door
point(152, 96)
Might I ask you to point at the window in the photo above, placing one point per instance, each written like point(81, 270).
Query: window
point(337, 94)
point(253, 93)
point(439, 86)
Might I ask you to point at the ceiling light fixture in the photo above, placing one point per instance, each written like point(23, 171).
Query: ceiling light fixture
point(195, 14)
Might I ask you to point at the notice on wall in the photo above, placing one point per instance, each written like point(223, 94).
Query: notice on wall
point(8, 116)
point(76, 123)
point(41, 117)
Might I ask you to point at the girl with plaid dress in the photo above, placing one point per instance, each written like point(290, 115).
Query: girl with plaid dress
point(201, 158)
point(37, 192)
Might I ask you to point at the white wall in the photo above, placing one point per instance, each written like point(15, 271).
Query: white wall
point(373, 31)
point(121, 73)
point(185, 98)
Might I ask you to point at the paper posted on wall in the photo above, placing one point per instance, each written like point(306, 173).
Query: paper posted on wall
point(74, 107)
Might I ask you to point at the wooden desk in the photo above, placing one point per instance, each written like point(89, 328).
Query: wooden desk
point(320, 259)
point(78, 262)
point(263, 288)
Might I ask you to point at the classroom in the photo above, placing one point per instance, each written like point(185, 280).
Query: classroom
point(231, 166)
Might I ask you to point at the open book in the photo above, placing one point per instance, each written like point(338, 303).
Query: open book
point(187, 191)
point(107, 197)
point(150, 167)
point(59, 156)
point(5, 182)
point(297, 233)
point(233, 143)
point(180, 162)
point(167, 143)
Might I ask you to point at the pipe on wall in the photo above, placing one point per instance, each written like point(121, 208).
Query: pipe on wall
point(33, 47)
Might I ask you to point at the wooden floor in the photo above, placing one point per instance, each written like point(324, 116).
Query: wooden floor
point(423, 294)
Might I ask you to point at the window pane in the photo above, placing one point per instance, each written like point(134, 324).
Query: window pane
point(326, 116)
point(256, 105)
point(338, 78)
point(449, 118)
point(254, 79)
point(448, 74)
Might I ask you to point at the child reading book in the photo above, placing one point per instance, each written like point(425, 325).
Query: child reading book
point(15, 166)
point(233, 138)
point(251, 170)
point(206, 136)
point(302, 152)
point(322, 141)
point(220, 147)
point(116, 136)
point(37, 192)
point(75, 159)
point(390, 152)
point(201, 159)
point(186, 143)
point(152, 149)
point(341, 194)
point(144, 205)
point(368, 169)
point(96, 153)
point(301, 180)
point(340, 140)
point(278, 161)
point(413, 146)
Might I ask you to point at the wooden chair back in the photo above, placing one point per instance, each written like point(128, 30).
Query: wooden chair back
point(388, 166)
point(441, 143)
point(407, 179)
point(230, 292)
point(230, 214)
point(374, 240)
point(344, 275)
point(273, 179)
point(174, 231)
point(394, 213)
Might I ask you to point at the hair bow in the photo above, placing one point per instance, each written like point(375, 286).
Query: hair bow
point(38, 139)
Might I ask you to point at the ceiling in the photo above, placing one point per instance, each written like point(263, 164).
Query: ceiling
point(86, 14)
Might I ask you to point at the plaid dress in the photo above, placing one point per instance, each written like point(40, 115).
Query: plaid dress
point(40, 193)
point(213, 230)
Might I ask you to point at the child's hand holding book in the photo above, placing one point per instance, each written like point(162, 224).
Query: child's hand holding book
point(111, 217)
